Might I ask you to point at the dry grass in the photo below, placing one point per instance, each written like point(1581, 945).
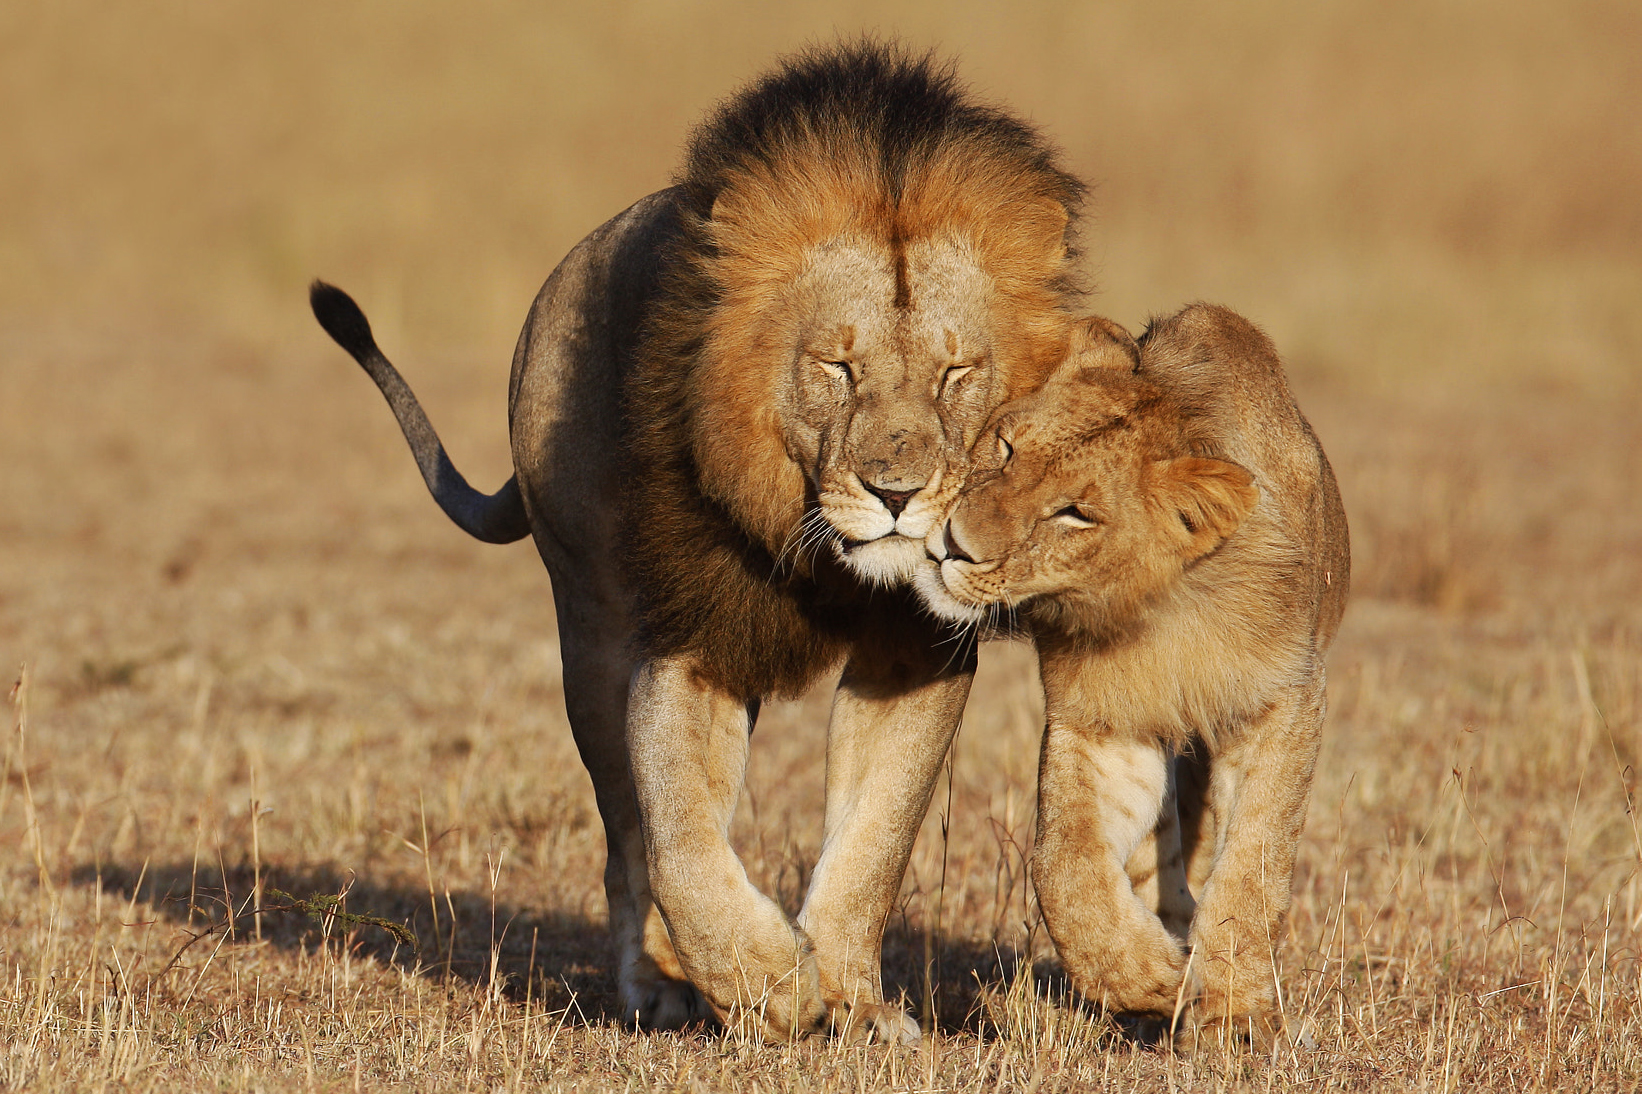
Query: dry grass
point(258, 655)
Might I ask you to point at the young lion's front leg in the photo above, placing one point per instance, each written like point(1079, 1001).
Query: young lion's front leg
point(1259, 785)
point(1099, 797)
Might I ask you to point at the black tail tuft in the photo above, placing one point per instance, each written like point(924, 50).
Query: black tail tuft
point(342, 319)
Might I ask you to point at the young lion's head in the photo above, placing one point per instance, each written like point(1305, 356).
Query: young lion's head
point(1083, 501)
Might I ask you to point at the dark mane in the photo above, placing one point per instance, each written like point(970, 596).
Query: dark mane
point(900, 106)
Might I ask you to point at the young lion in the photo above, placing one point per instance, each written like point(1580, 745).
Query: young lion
point(1162, 519)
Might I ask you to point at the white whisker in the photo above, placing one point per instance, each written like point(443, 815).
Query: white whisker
point(812, 531)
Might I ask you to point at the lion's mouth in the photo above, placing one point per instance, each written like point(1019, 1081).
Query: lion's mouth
point(954, 584)
point(880, 545)
point(846, 544)
point(961, 577)
point(889, 559)
point(945, 601)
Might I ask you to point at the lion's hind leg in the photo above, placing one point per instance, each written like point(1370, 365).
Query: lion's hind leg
point(1157, 867)
point(1199, 838)
point(655, 993)
point(1099, 798)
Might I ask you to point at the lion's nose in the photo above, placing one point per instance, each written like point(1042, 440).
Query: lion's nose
point(894, 500)
point(935, 543)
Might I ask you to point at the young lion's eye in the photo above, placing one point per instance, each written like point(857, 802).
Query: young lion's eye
point(1076, 516)
point(838, 369)
point(1006, 451)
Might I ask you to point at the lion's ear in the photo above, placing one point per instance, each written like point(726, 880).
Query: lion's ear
point(1096, 342)
point(1204, 501)
point(1045, 222)
point(727, 223)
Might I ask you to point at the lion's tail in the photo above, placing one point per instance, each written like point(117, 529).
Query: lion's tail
point(496, 518)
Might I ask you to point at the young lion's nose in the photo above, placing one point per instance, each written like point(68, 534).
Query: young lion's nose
point(952, 548)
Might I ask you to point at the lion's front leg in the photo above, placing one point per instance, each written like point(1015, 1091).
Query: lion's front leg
point(1099, 797)
point(687, 743)
point(1259, 786)
point(892, 721)
point(1157, 868)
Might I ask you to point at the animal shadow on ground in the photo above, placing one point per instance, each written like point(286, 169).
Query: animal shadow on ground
point(559, 959)
point(555, 957)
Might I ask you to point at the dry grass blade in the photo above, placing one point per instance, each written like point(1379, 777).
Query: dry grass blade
point(327, 908)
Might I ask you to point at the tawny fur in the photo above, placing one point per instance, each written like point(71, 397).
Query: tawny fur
point(733, 408)
point(1170, 531)
point(866, 265)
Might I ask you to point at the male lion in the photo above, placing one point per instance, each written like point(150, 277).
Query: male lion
point(1162, 519)
point(730, 407)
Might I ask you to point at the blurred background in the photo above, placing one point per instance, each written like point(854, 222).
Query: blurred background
point(1395, 189)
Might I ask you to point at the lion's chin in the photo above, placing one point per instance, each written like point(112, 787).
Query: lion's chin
point(888, 560)
point(939, 600)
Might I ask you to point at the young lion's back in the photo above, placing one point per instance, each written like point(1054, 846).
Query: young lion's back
point(1236, 404)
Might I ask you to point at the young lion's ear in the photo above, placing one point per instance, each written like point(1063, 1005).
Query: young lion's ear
point(1206, 499)
point(1096, 345)
point(1097, 342)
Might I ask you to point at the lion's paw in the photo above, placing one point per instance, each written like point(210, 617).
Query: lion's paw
point(873, 1023)
point(1142, 979)
point(1203, 1030)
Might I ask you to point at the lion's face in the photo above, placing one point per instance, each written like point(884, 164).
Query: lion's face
point(1080, 506)
point(892, 372)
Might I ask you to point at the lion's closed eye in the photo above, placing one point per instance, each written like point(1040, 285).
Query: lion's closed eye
point(953, 376)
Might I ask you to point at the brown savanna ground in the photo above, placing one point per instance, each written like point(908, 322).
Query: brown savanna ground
point(255, 650)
